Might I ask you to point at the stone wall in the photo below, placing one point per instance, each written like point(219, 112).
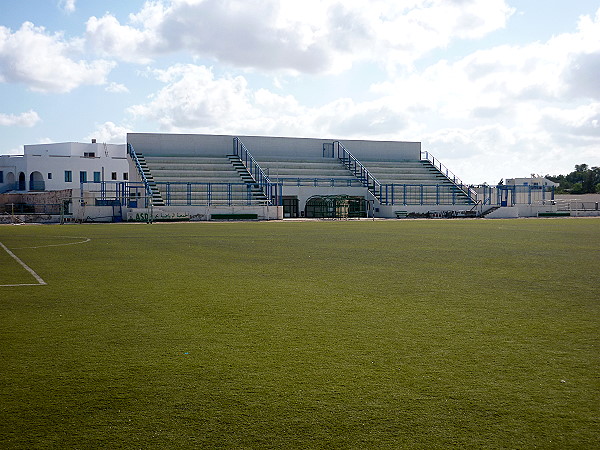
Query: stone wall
point(38, 202)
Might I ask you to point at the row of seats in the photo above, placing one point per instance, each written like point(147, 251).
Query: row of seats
point(177, 171)
point(288, 171)
point(436, 187)
point(213, 178)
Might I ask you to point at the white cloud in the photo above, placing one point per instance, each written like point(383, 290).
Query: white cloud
point(116, 88)
point(14, 151)
point(43, 61)
point(312, 36)
point(194, 100)
point(67, 5)
point(582, 122)
point(511, 84)
point(534, 107)
point(27, 119)
point(111, 39)
point(110, 133)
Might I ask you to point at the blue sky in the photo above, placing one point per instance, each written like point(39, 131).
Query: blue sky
point(493, 88)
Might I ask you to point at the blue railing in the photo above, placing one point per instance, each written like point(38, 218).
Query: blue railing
point(469, 191)
point(133, 195)
point(307, 181)
point(205, 194)
point(510, 195)
point(271, 190)
point(131, 152)
point(422, 194)
point(356, 167)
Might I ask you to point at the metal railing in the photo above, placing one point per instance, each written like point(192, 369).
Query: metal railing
point(271, 190)
point(201, 194)
point(472, 194)
point(574, 205)
point(357, 168)
point(307, 181)
point(510, 195)
point(133, 194)
point(131, 152)
point(422, 194)
point(130, 194)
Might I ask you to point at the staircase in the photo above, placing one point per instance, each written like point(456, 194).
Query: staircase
point(357, 169)
point(245, 176)
point(270, 190)
point(489, 211)
point(470, 195)
point(157, 199)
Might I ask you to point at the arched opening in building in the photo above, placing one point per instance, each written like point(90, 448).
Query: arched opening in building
point(335, 206)
point(10, 181)
point(22, 186)
point(36, 181)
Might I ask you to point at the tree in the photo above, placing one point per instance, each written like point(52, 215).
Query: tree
point(582, 180)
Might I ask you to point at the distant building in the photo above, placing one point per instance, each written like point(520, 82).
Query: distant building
point(51, 167)
point(533, 181)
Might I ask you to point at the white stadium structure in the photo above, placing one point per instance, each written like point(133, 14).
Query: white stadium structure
point(211, 177)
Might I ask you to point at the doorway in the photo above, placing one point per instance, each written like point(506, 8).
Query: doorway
point(36, 182)
point(22, 185)
point(290, 207)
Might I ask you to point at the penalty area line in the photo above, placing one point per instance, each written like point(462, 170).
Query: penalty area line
point(26, 267)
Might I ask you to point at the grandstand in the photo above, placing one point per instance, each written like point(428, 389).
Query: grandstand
point(203, 177)
point(379, 177)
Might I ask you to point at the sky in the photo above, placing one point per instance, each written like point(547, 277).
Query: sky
point(494, 89)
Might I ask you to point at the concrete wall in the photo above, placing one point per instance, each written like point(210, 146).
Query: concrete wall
point(29, 218)
point(266, 147)
point(199, 213)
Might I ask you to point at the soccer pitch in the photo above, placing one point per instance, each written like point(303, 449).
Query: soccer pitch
point(358, 334)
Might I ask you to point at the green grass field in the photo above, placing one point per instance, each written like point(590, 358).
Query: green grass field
point(386, 334)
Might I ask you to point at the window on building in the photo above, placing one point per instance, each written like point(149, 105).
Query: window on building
point(68, 176)
point(97, 177)
point(1, 176)
point(89, 154)
point(49, 175)
point(125, 176)
point(113, 176)
point(83, 176)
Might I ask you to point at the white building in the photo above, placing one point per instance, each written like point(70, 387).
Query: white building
point(50, 167)
point(533, 181)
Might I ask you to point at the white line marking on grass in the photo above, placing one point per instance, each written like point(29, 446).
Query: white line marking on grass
point(26, 267)
point(60, 245)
